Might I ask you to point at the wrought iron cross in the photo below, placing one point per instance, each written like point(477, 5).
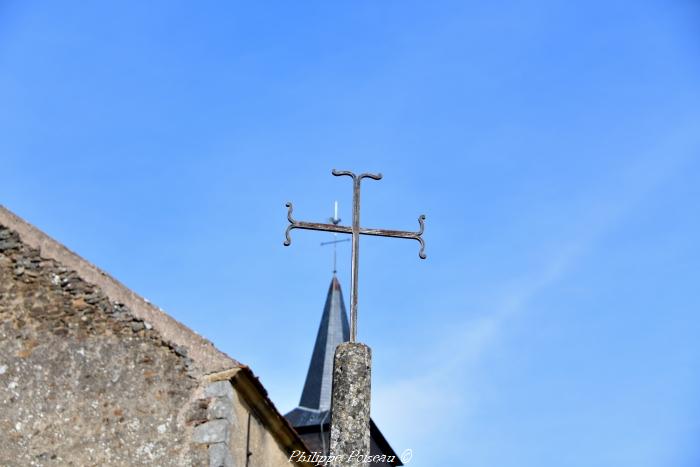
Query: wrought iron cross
point(356, 231)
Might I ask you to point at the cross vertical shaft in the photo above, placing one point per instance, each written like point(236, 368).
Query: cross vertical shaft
point(355, 261)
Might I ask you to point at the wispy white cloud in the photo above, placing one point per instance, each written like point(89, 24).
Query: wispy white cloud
point(434, 401)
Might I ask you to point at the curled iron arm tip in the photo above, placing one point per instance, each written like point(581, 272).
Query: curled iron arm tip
point(419, 237)
point(356, 178)
point(292, 224)
point(421, 252)
point(288, 239)
point(290, 208)
point(372, 176)
point(339, 173)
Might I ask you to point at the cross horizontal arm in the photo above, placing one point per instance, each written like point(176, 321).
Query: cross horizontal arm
point(401, 234)
point(294, 224)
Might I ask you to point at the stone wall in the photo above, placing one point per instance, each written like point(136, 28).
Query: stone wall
point(238, 425)
point(262, 447)
point(233, 434)
point(82, 381)
point(85, 380)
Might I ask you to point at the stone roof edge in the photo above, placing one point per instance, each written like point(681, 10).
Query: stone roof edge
point(206, 358)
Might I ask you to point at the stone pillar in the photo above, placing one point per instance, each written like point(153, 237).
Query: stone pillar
point(350, 404)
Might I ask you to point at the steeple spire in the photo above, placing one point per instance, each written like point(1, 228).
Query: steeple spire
point(312, 418)
point(333, 330)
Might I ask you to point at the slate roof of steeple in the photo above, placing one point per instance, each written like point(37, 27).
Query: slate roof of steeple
point(334, 329)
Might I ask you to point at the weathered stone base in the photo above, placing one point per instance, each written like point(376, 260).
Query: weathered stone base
point(350, 406)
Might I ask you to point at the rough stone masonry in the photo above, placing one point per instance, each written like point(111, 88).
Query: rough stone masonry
point(68, 357)
point(91, 374)
point(350, 406)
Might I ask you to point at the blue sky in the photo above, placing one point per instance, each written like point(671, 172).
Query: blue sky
point(553, 146)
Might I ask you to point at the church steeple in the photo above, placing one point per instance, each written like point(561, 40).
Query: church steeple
point(333, 330)
point(312, 418)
